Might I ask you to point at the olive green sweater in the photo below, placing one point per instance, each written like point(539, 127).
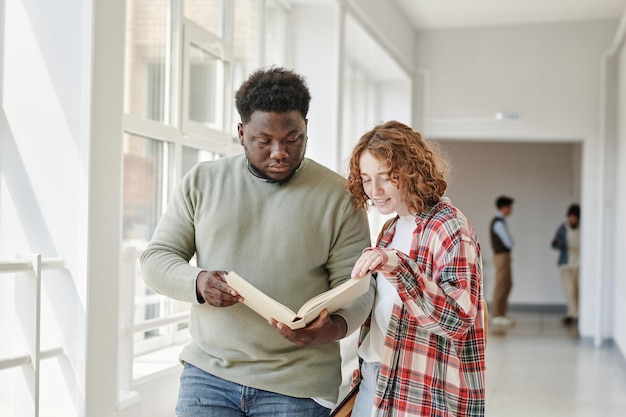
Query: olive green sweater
point(292, 241)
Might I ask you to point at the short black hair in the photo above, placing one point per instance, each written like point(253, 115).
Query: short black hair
point(504, 201)
point(574, 209)
point(276, 90)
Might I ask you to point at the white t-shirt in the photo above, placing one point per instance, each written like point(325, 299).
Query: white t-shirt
point(371, 350)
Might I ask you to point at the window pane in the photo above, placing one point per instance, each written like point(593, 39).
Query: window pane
point(276, 34)
point(146, 64)
point(147, 182)
point(375, 88)
point(206, 88)
point(245, 38)
point(207, 14)
point(245, 47)
point(192, 156)
point(145, 185)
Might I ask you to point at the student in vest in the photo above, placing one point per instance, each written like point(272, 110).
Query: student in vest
point(502, 245)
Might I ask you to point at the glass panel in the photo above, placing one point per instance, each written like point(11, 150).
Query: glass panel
point(358, 99)
point(206, 13)
point(192, 156)
point(147, 180)
point(375, 89)
point(206, 88)
point(245, 48)
point(276, 34)
point(146, 71)
point(245, 38)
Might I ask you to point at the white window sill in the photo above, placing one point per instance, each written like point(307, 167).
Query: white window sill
point(156, 364)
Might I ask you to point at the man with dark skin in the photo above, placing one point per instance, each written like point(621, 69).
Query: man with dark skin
point(274, 144)
point(284, 223)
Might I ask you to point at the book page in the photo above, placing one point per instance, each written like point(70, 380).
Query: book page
point(333, 300)
point(340, 292)
point(258, 301)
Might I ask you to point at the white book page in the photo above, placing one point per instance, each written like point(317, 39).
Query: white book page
point(332, 300)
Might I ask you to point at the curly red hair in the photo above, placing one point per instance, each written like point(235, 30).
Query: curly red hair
point(413, 166)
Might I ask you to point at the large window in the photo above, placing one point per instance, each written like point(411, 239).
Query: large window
point(206, 88)
point(375, 89)
point(184, 58)
point(208, 14)
point(276, 33)
point(147, 75)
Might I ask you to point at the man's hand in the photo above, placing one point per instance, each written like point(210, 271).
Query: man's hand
point(211, 287)
point(324, 329)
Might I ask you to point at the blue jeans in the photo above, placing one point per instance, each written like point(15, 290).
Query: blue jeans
point(204, 395)
point(364, 402)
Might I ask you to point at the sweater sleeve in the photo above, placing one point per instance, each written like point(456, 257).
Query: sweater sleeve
point(165, 262)
point(352, 237)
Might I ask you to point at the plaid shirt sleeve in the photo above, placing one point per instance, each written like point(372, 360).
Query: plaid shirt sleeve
point(433, 363)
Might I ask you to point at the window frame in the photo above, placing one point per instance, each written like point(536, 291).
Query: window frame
point(205, 137)
point(182, 133)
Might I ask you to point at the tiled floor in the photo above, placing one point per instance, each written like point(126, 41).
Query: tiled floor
point(540, 368)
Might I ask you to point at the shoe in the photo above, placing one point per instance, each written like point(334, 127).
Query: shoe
point(502, 321)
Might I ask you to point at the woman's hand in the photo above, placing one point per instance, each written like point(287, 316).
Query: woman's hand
point(368, 262)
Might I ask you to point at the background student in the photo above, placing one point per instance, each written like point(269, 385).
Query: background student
point(567, 241)
point(502, 245)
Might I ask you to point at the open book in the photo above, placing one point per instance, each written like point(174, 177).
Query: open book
point(266, 306)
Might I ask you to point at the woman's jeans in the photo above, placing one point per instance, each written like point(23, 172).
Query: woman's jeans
point(364, 403)
point(204, 395)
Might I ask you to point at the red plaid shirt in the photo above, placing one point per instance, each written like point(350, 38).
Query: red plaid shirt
point(434, 355)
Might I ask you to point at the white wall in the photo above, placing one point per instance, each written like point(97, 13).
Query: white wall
point(542, 178)
point(102, 160)
point(60, 187)
point(393, 104)
point(42, 199)
point(389, 25)
point(620, 220)
point(549, 74)
point(316, 56)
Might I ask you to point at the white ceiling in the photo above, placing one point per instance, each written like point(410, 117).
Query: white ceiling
point(432, 14)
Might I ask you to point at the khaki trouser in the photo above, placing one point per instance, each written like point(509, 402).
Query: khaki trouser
point(569, 279)
point(503, 284)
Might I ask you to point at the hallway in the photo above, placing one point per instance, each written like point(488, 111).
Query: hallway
point(540, 368)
